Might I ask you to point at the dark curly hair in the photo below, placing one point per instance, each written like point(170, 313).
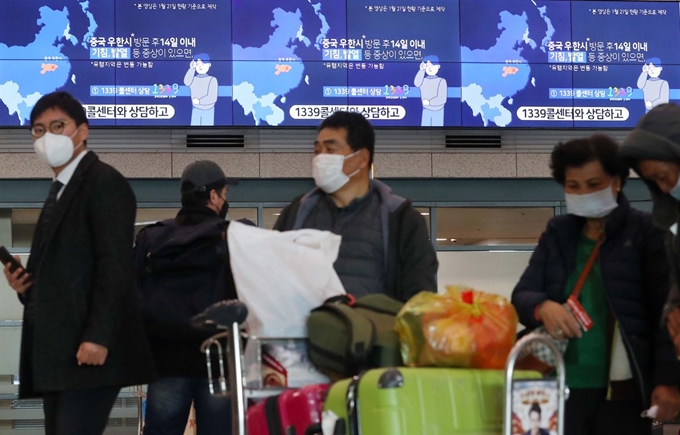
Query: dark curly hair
point(577, 152)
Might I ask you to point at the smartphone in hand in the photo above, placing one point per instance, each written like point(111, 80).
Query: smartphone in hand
point(6, 257)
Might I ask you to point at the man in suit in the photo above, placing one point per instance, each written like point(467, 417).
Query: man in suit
point(82, 337)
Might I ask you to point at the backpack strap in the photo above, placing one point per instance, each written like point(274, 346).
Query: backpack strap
point(361, 334)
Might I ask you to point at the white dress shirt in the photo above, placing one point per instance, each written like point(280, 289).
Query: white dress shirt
point(67, 173)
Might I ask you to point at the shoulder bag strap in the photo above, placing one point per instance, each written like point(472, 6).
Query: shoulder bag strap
point(587, 268)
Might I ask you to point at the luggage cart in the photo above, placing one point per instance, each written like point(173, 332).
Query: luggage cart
point(555, 387)
point(235, 385)
point(227, 316)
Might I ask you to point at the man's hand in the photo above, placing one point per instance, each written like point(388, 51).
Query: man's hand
point(20, 281)
point(559, 322)
point(674, 328)
point(645, 68)
point(422, 66)
point(91, 354)
point(667, 398)
point(648, 104)
point(426, 102)
point(196, 100)
point(192, 65)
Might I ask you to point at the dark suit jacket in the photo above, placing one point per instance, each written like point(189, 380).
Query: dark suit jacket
point(84, 289)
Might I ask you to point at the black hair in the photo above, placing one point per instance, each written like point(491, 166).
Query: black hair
point(535, 407)
point(63, 101)
point(360, 133)
point(193, 197)
point(577, 152)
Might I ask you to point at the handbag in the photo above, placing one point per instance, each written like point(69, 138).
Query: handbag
point(348, 336)
point(537, 356)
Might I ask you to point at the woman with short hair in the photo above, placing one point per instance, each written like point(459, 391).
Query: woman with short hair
point(624, 362)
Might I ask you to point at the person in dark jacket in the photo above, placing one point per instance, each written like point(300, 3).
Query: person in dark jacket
point(385, 244)
point(82, 336)
point(191, 278)
point(652, 149)
point(625, 361)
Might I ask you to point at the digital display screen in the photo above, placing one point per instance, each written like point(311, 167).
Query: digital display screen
point(431, 63)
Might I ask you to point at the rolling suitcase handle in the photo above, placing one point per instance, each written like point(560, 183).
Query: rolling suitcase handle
point(562, 392)
point(227, 315)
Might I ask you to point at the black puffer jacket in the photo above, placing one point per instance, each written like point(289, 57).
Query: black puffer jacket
point(635, 274)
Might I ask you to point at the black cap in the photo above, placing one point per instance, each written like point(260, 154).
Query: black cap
point(204, 175)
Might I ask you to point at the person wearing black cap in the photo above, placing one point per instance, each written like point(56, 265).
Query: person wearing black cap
point(180, 273)
point(652, 150)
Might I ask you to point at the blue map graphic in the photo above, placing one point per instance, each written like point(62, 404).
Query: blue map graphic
point(41, 62)
point(499, 63)
point(274, 54)
point(510, 63)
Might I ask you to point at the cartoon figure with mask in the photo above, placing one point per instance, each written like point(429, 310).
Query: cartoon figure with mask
point(655, 90)
point(203, 90)
point(432, 92)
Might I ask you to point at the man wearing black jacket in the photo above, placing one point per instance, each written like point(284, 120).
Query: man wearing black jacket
point(385, 244)
point(183, 267)
point(81, 339)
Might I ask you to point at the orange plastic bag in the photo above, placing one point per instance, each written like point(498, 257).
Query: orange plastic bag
point(460, 328)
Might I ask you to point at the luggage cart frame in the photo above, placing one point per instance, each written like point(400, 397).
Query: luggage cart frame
point(236, 388)
point(562, 392)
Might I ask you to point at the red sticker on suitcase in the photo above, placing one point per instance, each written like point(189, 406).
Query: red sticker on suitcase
point(580, 313)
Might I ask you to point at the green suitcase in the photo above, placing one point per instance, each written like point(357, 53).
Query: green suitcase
point(414, 401)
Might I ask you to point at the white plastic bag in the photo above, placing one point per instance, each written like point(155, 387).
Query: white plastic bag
point(282, 276)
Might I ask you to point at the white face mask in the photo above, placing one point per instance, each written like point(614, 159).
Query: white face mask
point(593, 205)
point(55, 149)
point(327, 171)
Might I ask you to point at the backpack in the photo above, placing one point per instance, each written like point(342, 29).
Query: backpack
point(181, 270)
point(348, 336)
